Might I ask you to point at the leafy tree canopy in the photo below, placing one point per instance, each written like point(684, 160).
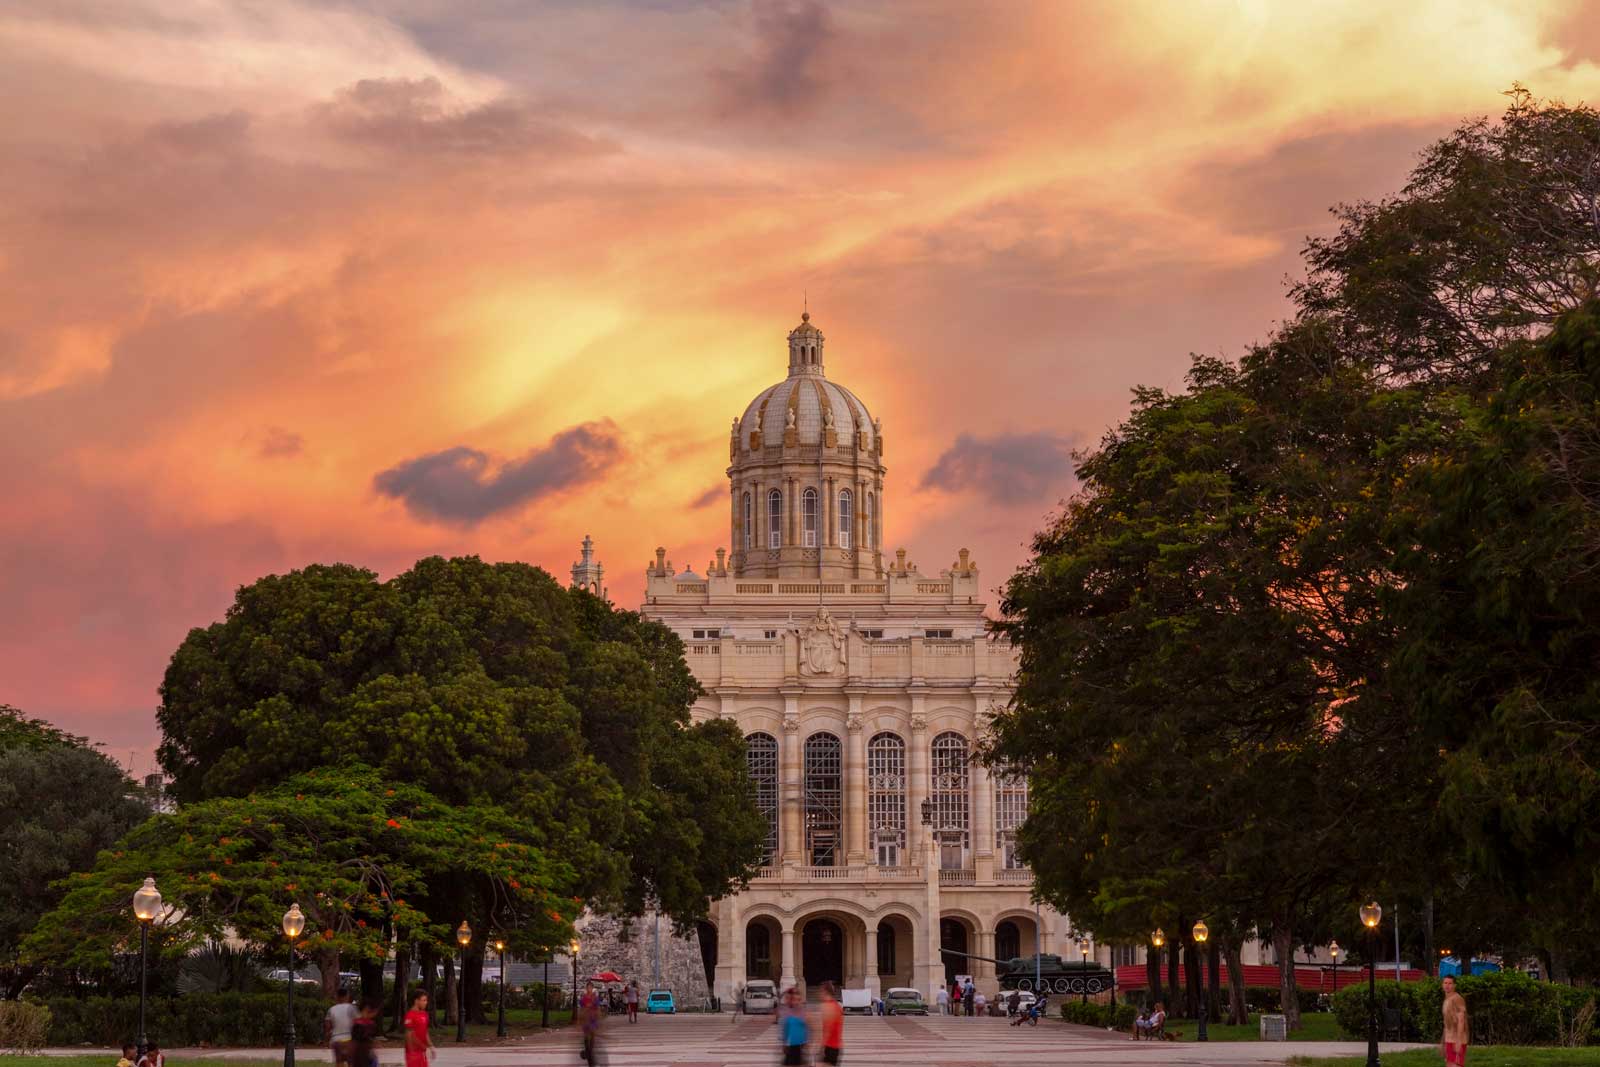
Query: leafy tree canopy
point(483, 683)
point(354, 851)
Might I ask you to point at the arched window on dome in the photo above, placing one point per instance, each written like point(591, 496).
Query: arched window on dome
point(774, 519)
point(808, 514)
point(749, 524)
point(847, 517)
point(870, 527)
point(761, 758)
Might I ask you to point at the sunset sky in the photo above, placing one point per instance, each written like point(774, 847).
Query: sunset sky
point(285, 282)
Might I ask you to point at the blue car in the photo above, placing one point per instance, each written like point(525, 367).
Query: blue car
point(660, 1002)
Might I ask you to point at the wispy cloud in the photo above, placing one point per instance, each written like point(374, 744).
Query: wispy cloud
point(1014, 468)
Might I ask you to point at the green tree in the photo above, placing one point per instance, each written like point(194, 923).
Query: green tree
point(61, 802)
point(360, 855)
point(482, 683)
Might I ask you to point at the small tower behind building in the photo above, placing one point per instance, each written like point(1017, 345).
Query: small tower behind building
point(589, 574)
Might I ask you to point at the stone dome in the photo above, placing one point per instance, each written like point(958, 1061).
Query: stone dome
point(806, 400)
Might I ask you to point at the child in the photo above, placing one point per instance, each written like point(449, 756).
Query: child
point(129, 1054)
point(153, 1056)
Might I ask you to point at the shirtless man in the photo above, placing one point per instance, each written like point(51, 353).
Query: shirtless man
point(1454, 1045)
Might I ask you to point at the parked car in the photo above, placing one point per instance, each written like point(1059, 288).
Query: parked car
point(660, 1002)
point(904, 1001)
point(1025, 1000)
point(282, 974)
point(856, 1000)
point(760, 997)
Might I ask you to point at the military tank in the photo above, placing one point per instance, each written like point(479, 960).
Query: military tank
point(1047, 972)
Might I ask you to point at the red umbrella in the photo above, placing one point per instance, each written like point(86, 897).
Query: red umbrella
point(606, 976)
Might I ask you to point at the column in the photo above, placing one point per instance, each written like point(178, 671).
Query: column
point(758, 515)
point(833, 519)
point(855, 785)
point(791, 837)
point(983, 970)
point(982, 821)
point(917, 787)
point(730, 951)
point(793, 539)
point(786, 978)
point(872, 962)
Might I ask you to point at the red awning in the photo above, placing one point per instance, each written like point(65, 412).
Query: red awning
point(606, 976)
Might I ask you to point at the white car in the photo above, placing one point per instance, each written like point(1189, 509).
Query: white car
point(1025, 1000)
point(760, 997)
point(856, 1000)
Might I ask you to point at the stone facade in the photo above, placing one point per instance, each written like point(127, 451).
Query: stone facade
point(629, 947)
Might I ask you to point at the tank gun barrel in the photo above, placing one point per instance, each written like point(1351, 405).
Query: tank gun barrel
point(974, 956)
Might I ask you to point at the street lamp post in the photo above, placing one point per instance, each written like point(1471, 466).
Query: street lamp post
point(1083, 951)
point(1157, 939)
point(294, 921)
point(574, 947)
point(146, 906)
point(463, 938)
point(544, 995)
point(1201, 934)
point(500, 951)
point(1333, 950)
point(1371, 915)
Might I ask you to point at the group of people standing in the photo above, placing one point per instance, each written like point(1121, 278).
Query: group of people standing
point(961, 998)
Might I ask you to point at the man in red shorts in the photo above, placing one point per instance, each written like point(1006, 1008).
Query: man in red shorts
point(1456, 1031)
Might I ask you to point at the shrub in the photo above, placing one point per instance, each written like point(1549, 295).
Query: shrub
point(1115, 1016)
point(1506, 1008)
point(191, 1020)
point(23, 1026)
point(1268, 1000)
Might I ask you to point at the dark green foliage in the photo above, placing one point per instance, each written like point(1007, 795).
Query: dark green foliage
point(1119, 1016)
point(481, 683)
point(61, 802)
point(1506, 1008)
point(220, 1019)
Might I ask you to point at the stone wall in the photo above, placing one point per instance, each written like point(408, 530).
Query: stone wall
point(628, 947)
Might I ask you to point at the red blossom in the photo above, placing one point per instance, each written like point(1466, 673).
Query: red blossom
point(394, 823)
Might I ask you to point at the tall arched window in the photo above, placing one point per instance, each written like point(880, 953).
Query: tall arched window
point(1010, 809)
point(774, 519)
point(950, 799)
point(761, 758)
point(870, 536)
point(1007, 940)
point(749, 524)
point(886, 798)
point(847, 517)
point(808, 515)
point(824, 801)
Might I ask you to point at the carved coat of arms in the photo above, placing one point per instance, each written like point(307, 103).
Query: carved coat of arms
point(822, 644)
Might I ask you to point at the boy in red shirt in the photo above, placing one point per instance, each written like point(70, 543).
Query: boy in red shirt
point(418, 1045)
point(832, 1025)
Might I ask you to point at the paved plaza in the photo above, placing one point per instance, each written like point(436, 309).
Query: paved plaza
point(737, 1041)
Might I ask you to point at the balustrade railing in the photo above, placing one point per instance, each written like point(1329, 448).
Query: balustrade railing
point(958, 876)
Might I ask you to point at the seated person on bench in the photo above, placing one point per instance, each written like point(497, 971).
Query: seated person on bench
point(1153, 1024)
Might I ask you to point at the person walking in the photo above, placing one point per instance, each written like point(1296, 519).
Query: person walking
point(794, 1030)
point(336, 1026)
point(362, 1051)
point(419, 1046)
point(589, 1020)
point(967, 995)
point(1457, 1030)
point(832, 1025)
point(943, 1000)
point(632, 996)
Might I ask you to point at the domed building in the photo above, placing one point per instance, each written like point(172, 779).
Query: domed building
point(862, 686)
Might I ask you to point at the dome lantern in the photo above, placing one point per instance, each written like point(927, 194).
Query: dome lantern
point(805, 348)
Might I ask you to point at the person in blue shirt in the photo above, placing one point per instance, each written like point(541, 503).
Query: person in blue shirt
point(794, 1029)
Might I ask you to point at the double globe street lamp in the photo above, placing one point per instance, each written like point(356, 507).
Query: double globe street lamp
point(1371, 915)
point(1201, 935)
point(146, 906)
point(294, 921)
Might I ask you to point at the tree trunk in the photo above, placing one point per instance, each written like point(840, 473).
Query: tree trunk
point(449, 991)
point(1152, 974)
point(1172, 974)
point(371, 980)
point(430, 957)
point(328, 964)
point(402, 991)
point(1238, 1010)
point(1191, 982)
point(20, 976)
point(1283, 948)
point(1430, 958)
point(472, 978)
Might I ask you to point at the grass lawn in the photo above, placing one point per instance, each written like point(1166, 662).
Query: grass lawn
point(1484, 1056)
point(1314, 1026)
